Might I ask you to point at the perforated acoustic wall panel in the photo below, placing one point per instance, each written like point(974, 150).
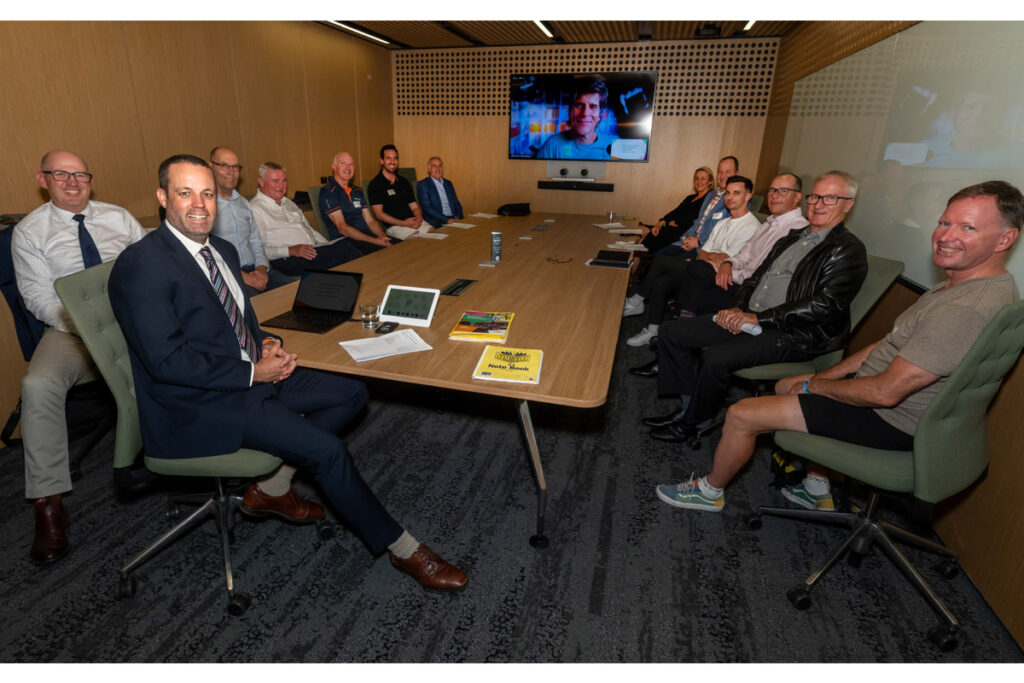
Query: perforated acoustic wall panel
point(860, 85)
point(729, 77)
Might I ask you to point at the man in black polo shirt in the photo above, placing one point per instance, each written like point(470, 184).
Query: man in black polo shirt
point(392, 199)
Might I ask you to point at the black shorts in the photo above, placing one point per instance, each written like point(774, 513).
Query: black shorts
point(861, 426)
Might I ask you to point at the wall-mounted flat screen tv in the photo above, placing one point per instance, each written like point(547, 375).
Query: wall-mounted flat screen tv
point(582, 117)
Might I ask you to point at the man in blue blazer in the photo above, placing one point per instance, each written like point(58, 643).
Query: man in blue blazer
point(437, 196)
point(208, 380)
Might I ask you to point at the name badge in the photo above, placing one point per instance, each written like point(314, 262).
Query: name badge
point(391, 193)
point(717, 215)
point(357, 204)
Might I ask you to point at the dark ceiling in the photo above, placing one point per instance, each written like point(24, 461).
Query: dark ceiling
point(437, 34)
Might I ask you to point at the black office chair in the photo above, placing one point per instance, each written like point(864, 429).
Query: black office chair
point(410, 175)
point(90, 407)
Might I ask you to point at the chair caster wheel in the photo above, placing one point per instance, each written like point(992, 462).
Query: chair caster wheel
point(694, 443)
point(126, 587)
point(944, 637)
point(947, 569)
point(854, 560)
point(754, 521)
point(799, 597)
point(173, 510)
point(238, 603)
point(325, 530)
point(539, 541)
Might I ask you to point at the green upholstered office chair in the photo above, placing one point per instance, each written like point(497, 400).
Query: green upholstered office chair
point(84, 295)
point(314, 200)
point(410, 175)
point(882, 272)
point(950, 453)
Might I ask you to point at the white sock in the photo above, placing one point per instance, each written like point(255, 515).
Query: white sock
point(816, 484)
point(405, 546)
point(709, 490)
point(278, 482)
point(653, 329)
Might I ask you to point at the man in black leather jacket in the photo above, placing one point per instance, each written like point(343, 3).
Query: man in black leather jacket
point(799, 297)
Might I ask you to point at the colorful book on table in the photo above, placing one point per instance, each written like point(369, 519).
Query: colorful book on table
point(481, 326)
point(504, 364)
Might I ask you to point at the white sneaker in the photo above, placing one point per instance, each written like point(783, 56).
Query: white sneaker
point(632, 307)
point(642, 338)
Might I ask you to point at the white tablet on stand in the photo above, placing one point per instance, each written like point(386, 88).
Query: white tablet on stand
point(409, 305)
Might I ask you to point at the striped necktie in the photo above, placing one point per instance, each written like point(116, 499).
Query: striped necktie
point(220, 288)
point(90, 254)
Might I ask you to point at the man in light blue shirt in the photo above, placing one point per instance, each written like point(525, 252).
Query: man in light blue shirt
point(437, 195)
point(236, 224)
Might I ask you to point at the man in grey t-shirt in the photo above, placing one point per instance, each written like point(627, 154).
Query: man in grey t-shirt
point(876, 396)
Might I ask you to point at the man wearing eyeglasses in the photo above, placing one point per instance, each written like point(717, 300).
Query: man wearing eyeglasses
point(67, 234)
point(799, 298)
point(711, 281)
point(236, 224)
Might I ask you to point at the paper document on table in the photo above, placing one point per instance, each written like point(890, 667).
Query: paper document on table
point(616, 224)
point(455, 224)
point(628, 246)
point(431, 235)
point(484, 215)
point(381, 346)
point(628, 231)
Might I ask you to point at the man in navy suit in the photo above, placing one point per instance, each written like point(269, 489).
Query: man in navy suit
point(437, 196)
point(208, 380)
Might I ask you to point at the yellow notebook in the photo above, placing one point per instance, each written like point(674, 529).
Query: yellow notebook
point(504, 364)
point(480, 326)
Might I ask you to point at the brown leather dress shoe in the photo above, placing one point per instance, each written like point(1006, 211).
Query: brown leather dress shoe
point(51, 541)
point(289, 507)
point(430, 570)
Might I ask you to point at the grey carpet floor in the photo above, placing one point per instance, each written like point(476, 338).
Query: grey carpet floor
point(625, 579)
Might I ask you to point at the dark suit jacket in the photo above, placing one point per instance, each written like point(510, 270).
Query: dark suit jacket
point(430, 201)
point(190, 380)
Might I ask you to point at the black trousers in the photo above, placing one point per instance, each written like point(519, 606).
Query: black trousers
point(298, 420)
point(698, 293)
point(327, 256)
point(696, 358)
point(662, 282)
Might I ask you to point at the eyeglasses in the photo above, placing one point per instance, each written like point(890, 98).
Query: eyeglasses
point(827, 199)
point(781, 191)
point(63, 176)
point(231, 167)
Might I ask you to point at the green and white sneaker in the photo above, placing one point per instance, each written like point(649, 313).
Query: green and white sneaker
point(801, 496)
point(688, 495)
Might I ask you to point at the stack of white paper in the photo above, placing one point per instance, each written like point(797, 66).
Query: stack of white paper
point(384, 345)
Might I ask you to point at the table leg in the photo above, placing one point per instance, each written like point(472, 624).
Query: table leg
point(539, 540)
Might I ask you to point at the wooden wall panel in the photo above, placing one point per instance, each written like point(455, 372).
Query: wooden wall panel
point(184, 95)
point(271, 90)
point(371, 69)
point(333, 103)
point(475, 153)
point(66, 85)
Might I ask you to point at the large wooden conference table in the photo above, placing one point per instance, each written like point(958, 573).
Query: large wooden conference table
point(568, 309)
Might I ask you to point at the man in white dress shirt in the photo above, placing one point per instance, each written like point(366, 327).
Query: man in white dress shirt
point(291, 244)
point(236, 224)
point(67, 234)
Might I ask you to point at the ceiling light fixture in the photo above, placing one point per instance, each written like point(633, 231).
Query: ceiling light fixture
point(543, 28)
point(749, 24)
point(364, 34)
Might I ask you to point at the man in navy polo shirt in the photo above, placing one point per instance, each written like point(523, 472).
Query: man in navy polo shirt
point(345, 210)
point(392, 199)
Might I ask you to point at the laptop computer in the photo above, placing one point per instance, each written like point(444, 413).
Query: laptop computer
point(324, 300)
